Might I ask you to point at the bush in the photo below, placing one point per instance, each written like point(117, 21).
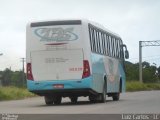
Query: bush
point(138, 86)
point(153, 86)
point(14, 93)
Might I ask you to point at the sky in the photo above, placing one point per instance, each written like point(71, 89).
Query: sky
point(133, 20)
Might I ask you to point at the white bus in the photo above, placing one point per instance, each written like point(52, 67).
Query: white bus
point(72, 58)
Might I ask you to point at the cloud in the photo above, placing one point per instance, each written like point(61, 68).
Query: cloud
point(133, 20)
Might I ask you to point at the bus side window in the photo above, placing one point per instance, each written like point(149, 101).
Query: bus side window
point(109, 51)
point(114, 45)
point(100, 42)
point(95, 40)
point(103, 44)
point(121, 50)
point(118, 41)
point(111, 46)
point(91, 39)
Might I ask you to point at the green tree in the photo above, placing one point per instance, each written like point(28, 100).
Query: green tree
point(149, 72)
point(17, 78)
point(12, 78)
point(6, 77)
point(131, 71)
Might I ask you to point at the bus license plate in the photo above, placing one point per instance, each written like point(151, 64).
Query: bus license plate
point(58, 86)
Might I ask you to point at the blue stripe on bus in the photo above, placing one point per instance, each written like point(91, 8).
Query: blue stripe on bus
point(68, 84)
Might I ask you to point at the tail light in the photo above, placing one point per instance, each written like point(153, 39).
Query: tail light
point(86, 69)
point(29, 72)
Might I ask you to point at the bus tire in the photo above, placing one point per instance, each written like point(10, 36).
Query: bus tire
point(74, 99)
point(57, 100)
point(92, 98)
point(48, 100)
point(116, 96)
point(103, 94)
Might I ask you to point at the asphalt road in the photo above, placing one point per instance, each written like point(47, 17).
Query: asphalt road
point(131, 102)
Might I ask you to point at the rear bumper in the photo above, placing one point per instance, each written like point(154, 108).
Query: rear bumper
point(65, 92)
point(71, 87)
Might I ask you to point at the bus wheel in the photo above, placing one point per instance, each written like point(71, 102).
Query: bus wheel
point(103, 95)
point(48, 100)
point(116, 96)
point(74, 99)
point(92, 98)
point(57, 100)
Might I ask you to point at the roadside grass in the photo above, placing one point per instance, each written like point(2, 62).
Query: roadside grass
point(138, 86)
point(14, 93)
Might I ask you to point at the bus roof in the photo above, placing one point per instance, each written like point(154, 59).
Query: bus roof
point(71, 22)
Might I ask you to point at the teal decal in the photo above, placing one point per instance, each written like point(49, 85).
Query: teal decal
point(56, 34)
